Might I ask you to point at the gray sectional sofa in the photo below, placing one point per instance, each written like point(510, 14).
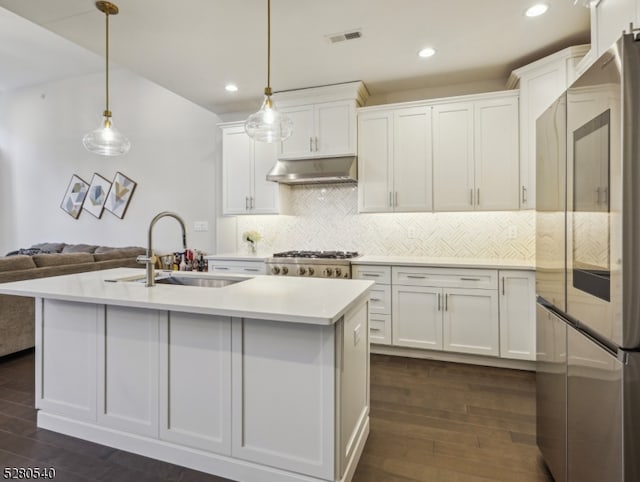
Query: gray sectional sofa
point(17, 314)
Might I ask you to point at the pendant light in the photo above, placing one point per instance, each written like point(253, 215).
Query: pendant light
point(268, 125)
point(106, 140)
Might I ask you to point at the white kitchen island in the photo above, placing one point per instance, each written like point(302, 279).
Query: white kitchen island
point(264, 380)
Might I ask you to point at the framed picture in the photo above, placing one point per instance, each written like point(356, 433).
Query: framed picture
point(97, 195)
point(119, 195)
point(74, 197)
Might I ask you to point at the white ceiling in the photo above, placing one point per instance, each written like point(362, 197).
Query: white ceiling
point(195, 47)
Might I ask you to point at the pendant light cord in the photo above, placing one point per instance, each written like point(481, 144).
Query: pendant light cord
point(269, 45)
point(106, 14)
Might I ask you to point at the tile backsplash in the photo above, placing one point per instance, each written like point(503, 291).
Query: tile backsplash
point(326, 217)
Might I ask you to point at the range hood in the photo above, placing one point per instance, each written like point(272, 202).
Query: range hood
point(315, 171)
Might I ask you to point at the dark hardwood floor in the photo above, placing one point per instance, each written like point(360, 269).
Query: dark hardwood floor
point(430, 421)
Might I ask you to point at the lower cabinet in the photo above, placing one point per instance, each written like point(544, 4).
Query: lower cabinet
point(456, 320)
point(257, 399)
point(517, 315)
point(471, 321)
point(471, 311)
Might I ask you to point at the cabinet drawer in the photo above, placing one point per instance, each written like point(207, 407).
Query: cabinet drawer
point(380, 329)
point(380, 299)
point(237, 267)
point(379, 274)
point(445, 277)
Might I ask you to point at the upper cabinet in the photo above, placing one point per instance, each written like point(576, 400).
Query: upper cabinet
point(324, 120)
point(475, 154)
point(540, 84)
point(457, 154)
point(609, 18)
point(245, 164)
point(394, 162)
point(321, 130)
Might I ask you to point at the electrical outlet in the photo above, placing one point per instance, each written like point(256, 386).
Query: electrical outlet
point(512, 232)
point(412, 232)
point(201, 226)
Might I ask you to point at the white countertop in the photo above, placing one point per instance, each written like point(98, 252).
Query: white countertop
point(315, 301)
point(489, 263)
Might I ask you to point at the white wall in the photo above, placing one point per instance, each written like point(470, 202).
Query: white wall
point(174, 159)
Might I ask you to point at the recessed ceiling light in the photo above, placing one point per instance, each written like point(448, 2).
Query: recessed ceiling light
point(231, 88)
point(427, 52)
point(537, 9)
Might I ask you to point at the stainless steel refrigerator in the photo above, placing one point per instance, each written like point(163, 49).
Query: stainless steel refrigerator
point(588, 273)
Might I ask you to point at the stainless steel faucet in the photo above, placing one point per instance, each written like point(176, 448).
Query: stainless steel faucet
point(150, 259)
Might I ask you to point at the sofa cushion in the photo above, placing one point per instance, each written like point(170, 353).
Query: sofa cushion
point(79, 248)
point(58, 259)
point(14, 263)
point(49, 247)
point(118, 253)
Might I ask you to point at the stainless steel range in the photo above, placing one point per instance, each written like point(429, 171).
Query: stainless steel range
point(316, 264)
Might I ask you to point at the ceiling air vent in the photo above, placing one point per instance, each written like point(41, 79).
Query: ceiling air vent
point(341, 37)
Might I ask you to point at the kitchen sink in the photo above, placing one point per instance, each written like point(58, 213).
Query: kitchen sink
point(183, 280)
point(197, 281)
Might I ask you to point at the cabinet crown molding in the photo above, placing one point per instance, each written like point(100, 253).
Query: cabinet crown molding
point(356, 91)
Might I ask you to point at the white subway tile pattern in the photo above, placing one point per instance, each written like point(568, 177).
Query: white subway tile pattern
point(326, 217)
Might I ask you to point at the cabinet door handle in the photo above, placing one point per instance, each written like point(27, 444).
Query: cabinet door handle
point(503, 286)
point(220, 268)
point(446, 302)
point(524, 195)
point(374, 275)
point(415, 276)
point(246, 203)
point(251, 269)
point(470, 279)
point(375, 329)
point(471, 196)
point(375, 299)
point(438, 301)
point(252, 202)
point(478, 196)
point(310, 144)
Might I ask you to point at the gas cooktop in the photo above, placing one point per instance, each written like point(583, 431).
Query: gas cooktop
point(318, 254)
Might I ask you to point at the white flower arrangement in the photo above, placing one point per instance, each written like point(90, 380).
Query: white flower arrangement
point(251, 237)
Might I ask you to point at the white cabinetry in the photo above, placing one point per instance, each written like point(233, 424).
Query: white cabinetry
point(379, 301)
point(244, 266)
point(540, 83)
point(324, 120)
point(609, 18)
point(245, 165)
point(321, 130)
point(475, 154)
point(517, 315)
point(250, 399)
point(446, 309)
point(395, 163)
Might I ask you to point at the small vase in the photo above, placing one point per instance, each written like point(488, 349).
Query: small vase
point(251, 248)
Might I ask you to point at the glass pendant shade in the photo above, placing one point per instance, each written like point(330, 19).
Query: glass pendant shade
point(268, 125)
point(106, 140)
